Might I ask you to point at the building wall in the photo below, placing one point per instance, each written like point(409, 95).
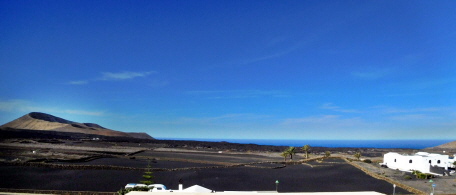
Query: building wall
point(406, 163)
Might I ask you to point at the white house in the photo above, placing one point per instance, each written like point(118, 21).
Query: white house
point(421, 161)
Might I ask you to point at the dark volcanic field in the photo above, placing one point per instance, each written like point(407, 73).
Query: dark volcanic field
point(219, 166)
point(329, 177)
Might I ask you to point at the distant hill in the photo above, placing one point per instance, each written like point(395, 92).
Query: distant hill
point(46, 122)
point(140, 135)
point(450, 145)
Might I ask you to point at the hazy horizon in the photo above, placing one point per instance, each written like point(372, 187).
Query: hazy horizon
point(235, 69)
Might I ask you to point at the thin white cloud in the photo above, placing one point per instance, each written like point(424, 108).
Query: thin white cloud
point(84, 112)
point(17, 105)
point(429, 83)
point(226, 118)
point(412, 117)
point(324, 122)
point(123, 75)
point(11, 105)
point(239, 94)
point(82, 82)
point(371, 75)
point(394, 110)
point(113, 76)
point(331, 106)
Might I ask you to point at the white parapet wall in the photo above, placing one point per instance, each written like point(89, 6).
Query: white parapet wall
point(253, 193)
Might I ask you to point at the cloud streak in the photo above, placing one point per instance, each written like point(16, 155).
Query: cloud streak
point(371, 75)
point(114, 76)
point(331, 106)
point(107, 76)
point(17, 105)
point(239, 94)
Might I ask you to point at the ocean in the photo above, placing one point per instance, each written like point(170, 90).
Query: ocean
point(406, 144)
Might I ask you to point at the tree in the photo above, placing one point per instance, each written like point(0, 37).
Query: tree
point(291, 151)
point(284, 155)
point(148, 177)
point(357, 155)
point(306, 149)
point(327, 153)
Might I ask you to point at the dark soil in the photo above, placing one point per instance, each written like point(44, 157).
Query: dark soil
point(139, 163)
point(338, 177)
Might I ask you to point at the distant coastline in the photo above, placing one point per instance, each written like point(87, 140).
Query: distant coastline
point(405, 144)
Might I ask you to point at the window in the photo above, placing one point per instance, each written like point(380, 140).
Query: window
point(438, 162)
point(430, 161)
point(410, 161)
point(394, 160)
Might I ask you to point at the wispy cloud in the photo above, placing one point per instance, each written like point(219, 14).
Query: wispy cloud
point(331, 106)
point(113, 76)
point(411, 117)
point(17, 105)
point(221, 119)
point(429, 83)
point(239, 94)
point(394, 110)
point(372, 74)
point(78, 82)
point(12, 105)
point(329, 122)
point(123, 75)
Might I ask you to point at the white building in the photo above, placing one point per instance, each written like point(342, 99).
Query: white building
point(421, 161)
point(199, 190)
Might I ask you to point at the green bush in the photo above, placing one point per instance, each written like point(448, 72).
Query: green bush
point(367, 161)
point(424, 176)
point(407, 177)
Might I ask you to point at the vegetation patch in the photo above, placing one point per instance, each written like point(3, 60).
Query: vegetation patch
point(367, 161)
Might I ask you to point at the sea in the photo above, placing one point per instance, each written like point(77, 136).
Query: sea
point(404, 144)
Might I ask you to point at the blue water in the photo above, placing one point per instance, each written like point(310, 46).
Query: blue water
point(411, 144)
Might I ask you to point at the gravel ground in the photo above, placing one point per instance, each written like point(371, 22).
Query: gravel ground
point(336, 177)
point(444, 184)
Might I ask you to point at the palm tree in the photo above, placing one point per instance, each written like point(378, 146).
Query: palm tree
point(357, 155)
point(291, 151)
point(327, 153)
point(306, 149)
point(284, 155)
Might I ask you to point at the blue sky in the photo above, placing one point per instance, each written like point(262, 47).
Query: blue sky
point(235, 69)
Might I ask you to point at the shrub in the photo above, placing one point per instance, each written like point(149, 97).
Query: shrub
point(424, 176)
point(407, 177)
point(367, 161)
point(327, 154)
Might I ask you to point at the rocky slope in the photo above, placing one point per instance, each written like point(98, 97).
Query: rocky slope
point(46, 122)
point(450, 145)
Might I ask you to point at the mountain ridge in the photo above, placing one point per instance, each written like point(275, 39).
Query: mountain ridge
point(45, 122)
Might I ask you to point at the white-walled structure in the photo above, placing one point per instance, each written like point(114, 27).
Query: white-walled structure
point(421, 161)
point(199, 190)
point(253, 193)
